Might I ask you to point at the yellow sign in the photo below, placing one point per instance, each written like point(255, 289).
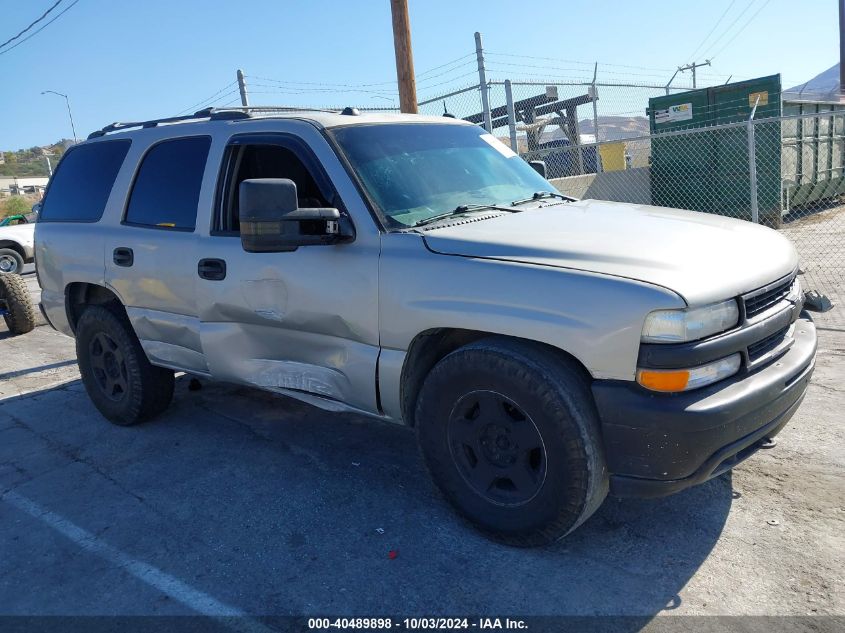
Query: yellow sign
point(763, 96)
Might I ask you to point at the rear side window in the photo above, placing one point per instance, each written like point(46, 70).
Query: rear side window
point(80, 188)
point(167, 189)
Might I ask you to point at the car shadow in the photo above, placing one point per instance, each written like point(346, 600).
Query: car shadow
point(279, 508)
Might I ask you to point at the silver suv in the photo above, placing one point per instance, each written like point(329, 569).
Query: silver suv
point(547, 351)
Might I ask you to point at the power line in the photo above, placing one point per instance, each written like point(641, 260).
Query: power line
point(463, 57)
point(715, 26)
point(728, 29)
point(574, 61)
point(44, 26)
point(41, 17)
point(750, 20)
point(194, 107)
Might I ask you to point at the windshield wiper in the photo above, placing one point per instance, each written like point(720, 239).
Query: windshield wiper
point(459, 210)
point(539, 195)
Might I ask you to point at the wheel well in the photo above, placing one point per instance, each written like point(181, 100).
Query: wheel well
point(14, 246)
point(429, 347)
point(78, 295)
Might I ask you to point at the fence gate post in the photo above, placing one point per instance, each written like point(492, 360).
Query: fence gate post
point(482, 84)
point(752, 165)
point(511, 115)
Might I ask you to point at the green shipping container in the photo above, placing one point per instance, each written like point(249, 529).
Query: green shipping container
point(708, 170)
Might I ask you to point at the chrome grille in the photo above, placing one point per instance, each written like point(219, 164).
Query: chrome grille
point(763, 299)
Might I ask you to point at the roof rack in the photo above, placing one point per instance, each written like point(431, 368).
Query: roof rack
point(212, 114)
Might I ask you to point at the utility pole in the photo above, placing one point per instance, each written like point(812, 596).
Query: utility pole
point(482, 83)
point(404, 56)
point(842, 47)
point(69, 113)
point(692, 67)
point(242, 88)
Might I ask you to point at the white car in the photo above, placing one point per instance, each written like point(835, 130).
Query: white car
point(16, 247)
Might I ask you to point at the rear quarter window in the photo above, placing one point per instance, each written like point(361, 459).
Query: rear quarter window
point(80, 188)
point(167, 188)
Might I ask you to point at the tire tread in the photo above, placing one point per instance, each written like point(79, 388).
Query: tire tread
point(20, 318)
point(153, 386)
point(561, 384)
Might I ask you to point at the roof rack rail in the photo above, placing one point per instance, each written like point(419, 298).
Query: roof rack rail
point(213, 114)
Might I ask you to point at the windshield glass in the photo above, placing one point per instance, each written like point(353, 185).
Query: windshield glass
point(414, 171)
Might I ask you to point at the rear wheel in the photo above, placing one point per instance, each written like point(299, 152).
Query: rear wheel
point(119, 379)
point(509, 433)
point(10, 261)
point(16, 304)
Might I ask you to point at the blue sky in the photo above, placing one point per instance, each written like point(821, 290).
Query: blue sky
point(122, 61)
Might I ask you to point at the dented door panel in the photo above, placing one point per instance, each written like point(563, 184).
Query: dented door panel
point(302, 321)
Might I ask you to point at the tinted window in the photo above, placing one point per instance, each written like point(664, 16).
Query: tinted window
point(80, 188)
point(167, 189)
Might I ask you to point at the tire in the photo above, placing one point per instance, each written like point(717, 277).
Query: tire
point(510, 435)
point(119, 379)
point(11, 261)
point(20, 313)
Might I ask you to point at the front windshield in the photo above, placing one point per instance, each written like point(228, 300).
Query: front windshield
point(414, 171)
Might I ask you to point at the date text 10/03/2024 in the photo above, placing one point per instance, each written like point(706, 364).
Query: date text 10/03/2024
point(417, 623)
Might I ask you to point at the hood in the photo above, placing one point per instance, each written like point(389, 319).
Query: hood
point(700, 256)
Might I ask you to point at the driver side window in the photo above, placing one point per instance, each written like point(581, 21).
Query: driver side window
point(244, 162)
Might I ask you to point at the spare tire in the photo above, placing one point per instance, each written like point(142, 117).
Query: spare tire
point(16, 305)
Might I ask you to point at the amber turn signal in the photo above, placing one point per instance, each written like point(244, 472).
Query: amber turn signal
point(685, 379)
point(663, 380)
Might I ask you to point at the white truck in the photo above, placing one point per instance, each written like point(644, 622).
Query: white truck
point(16, 247)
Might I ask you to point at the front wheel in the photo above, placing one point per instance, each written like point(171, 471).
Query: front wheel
point(510, 435)
point(119, 379)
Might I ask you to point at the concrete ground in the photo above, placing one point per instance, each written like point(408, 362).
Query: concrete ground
point(239, 502)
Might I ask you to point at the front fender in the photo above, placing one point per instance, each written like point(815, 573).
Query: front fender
point(595, 318)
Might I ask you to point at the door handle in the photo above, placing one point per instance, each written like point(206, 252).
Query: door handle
point(212, 269)
point(123, 256)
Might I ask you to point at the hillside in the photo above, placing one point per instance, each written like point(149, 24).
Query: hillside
point(30, 162)
point(614, 128)
point(825, 83)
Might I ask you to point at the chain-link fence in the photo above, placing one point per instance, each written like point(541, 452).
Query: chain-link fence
point(785, 172)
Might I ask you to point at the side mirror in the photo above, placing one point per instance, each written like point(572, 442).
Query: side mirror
point(539, 166)
point(272, 222)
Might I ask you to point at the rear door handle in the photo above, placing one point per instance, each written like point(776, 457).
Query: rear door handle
point(212, 269)
point(123, 257)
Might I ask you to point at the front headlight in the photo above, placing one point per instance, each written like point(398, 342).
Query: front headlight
point(691, 324)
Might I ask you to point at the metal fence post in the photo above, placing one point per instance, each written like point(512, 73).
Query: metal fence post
point(752, 165)
point(242, 88)
point(482, 84)
point(511, 115)
point(595, 95)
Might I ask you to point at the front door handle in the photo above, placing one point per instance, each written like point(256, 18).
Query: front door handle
point(212, 269)
point(123, 256)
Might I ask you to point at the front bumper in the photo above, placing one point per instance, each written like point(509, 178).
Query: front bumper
point(658, 444)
